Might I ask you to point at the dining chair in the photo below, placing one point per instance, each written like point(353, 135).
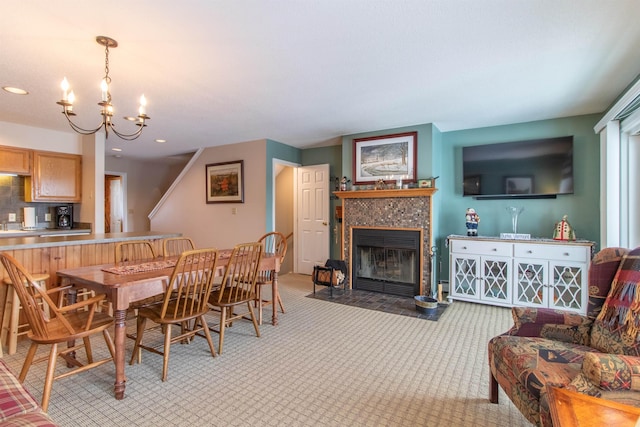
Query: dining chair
point(130, 252)
point(64, 324)
point(174, 246)
point(133, 251)
point(273, 243)
point(184, 304)
point(237, 288)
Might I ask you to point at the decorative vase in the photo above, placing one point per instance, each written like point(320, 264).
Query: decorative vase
point(515, 212)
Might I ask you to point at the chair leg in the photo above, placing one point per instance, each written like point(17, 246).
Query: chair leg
point(48, 382)
point(223, 323)
point(280, 303)
point(207, 335)
point(137, 351)
point(13, 322)
point(493, 389)
point(259, 305)
point(28, 361)
point(109, 342)
point(253, 319)
point(167, 348)
point(87, 348)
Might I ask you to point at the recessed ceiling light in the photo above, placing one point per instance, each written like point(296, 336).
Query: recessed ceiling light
point(161, 140)
point(15, 90)
point(116, 149)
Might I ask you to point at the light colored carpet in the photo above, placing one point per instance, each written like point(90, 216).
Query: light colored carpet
point(325, 364)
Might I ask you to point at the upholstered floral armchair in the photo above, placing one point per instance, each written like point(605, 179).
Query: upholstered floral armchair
point(597, 354)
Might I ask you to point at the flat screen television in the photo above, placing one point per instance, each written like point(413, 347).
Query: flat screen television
point(520, 169)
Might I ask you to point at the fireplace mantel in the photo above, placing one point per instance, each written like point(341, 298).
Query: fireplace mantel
point(377, 194)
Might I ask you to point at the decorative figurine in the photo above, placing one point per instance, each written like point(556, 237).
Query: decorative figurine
point(343, 183)
point(472, 220)
point(563, 230)
point(380, 184)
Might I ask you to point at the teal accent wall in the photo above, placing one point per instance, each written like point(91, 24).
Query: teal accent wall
point(440, 155)
point(333, 156)
point(287, 153)
point(540, 215)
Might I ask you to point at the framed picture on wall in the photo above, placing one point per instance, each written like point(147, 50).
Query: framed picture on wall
point(225, 182)
point(388, 157)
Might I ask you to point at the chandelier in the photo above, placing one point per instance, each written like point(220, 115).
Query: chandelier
point(105, 104)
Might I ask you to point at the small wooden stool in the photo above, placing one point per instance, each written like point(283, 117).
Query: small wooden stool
point(11, 327)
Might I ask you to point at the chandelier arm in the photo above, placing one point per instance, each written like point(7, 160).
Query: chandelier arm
point(125, 136)
point(81, 130)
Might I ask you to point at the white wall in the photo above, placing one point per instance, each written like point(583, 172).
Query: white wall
point(146, 183)
point(15, 135)
point(214, 225)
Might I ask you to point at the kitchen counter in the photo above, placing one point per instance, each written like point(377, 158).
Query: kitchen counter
point(42, 232)
point(69, 238)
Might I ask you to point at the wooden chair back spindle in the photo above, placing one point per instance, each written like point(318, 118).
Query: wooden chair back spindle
point(174, 246)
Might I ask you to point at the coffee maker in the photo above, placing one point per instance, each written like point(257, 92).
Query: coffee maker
point(64, 217)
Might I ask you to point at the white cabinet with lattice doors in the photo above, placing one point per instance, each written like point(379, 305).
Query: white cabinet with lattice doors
point(551, 276)
point(541, 273)
point(480, 272)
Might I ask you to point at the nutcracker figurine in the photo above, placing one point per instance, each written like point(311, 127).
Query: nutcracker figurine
point(472, 220)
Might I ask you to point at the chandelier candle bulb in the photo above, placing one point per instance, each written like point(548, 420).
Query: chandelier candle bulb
point(65, 89)
point(143, 104)
point(104, 87)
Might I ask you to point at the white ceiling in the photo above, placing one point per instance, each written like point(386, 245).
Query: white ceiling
point(304, 72)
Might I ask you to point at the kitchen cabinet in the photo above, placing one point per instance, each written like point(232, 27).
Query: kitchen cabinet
point(15, 160)
point(56, 177)
point(533, 273)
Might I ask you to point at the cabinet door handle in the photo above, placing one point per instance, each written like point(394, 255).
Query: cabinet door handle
point(464, 247)
point(494, 250)
point(566, 254)
point(529, 251)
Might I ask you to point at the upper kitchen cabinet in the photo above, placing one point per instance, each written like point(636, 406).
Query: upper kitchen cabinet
point(15, 160)
point(56, 177)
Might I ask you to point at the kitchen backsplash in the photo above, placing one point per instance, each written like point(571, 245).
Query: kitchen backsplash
point(12, 202)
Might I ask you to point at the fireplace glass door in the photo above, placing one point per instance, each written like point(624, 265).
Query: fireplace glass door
point(387, 261)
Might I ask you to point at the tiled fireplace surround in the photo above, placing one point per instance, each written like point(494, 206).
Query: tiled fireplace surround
point(405, 209)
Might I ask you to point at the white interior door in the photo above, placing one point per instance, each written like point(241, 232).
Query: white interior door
point(312, 217)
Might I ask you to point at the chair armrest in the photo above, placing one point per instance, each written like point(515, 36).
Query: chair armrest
point(552, 324)
point(612, 372)
point(82, 304)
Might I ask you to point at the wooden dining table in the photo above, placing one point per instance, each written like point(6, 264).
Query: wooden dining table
point(123, 289)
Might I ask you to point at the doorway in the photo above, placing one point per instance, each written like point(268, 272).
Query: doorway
point(283, 204)
point(295, 209)
point(115, 203)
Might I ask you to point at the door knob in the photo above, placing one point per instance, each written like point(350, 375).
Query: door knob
point(324, 223)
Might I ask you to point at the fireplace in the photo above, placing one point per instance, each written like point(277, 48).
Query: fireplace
point(387, 260)
point(394, 210)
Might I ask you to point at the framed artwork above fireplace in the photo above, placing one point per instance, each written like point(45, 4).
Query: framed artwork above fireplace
point(387, 157)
